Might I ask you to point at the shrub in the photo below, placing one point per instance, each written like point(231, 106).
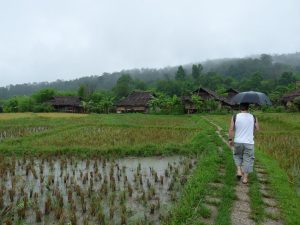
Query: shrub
point(44, 107)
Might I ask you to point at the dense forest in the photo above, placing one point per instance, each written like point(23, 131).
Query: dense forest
point(274, 75)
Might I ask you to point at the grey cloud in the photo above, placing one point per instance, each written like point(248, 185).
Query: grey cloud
point(49, 40)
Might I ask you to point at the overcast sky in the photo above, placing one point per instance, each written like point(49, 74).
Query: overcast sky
point(60, 39)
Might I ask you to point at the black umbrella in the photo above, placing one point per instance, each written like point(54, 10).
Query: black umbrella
point(251, 97)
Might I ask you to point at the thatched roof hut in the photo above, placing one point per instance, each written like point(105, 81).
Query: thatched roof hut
point(289, 97)
point(205, 94)
point(137, 101)
point(67, 104)
point(231, 93)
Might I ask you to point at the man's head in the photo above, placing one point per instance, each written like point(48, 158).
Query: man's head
point(244, 106)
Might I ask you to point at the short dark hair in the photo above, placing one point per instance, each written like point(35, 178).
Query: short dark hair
point(244, 106)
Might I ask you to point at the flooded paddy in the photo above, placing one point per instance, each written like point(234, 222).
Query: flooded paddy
point(70, 190)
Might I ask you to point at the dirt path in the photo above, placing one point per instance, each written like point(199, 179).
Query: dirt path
point(241, 210)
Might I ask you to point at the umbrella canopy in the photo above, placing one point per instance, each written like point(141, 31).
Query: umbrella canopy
point(251, 97)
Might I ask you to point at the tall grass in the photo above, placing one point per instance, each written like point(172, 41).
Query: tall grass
point(97, 133)
point(106, 136)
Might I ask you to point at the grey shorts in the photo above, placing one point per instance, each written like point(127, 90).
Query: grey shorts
point(243, 155)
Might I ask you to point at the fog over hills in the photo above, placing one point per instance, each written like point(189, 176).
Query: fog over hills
point(235, 67)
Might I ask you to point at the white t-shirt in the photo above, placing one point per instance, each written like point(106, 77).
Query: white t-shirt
point(244, 128)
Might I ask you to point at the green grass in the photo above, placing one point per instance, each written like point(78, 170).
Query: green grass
point(228, 191)
point(107, 134)
point(256, 203)
point(284, 192)
point(191, 206)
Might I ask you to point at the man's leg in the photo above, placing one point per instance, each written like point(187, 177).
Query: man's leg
point(239, 171)
point(248, 161)
point(238, 157)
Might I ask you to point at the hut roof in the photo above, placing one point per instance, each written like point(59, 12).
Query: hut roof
point(214, 95)
point(136, 98)
point(290, 96)
point(232, 90)
point(65, 101)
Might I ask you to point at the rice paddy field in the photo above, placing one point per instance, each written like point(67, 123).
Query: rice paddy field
point(95, 169)
point(58, 168)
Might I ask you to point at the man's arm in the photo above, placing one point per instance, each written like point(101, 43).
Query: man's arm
point(231, 132)
point(256, 125)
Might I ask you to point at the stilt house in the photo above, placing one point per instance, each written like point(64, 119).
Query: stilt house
point(205, 94)
point(231, 93)
point(137, 101)
point(70, 104)
point(290, 97)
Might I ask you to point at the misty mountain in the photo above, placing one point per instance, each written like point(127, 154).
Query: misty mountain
point(269, 66)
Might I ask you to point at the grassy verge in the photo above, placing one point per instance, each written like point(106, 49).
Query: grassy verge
point(191, 206)
point(228, 192)
point(285, 193)
point(256, 203)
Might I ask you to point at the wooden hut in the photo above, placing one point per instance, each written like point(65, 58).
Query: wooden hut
point(188, 104)
point(70, 104)
point(231, 93)
point(205, 94)
point(137, 101)
point(290, 97)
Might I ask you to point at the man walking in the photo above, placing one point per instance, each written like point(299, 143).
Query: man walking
point(241, 137)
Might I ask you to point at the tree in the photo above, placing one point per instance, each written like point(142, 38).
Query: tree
point(266, 59)
point(107, 103)
point(210, 105)
point(43, 95)
point(100, 102)
point(296, 101)
point(25, 104)
point(124, 86)
point(166, 104)
point(140, 85)
point(82, 91)
point(197, 101)
point(212, 81)
point(286, 78)
point(11, 105)
point(180, 74)
point(255, 81)
point(169, 87)
point(196, 71)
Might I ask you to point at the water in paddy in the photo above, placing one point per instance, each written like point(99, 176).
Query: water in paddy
point(62, 190)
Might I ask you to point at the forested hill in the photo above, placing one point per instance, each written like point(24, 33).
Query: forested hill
point(269, 67)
